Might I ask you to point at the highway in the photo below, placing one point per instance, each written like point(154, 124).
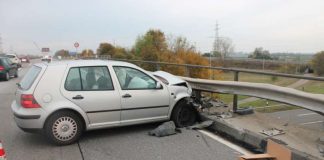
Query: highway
point(124, 143)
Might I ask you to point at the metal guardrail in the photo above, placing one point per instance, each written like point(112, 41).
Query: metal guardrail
point(304, 100)
point(309, 101)
point(313, 102)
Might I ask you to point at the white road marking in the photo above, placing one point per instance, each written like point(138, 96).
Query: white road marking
point(311, 122)
point(226, 142)
point(306, 114)
point(19, 69)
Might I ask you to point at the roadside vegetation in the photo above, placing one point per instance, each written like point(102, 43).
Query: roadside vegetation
point(155, 46)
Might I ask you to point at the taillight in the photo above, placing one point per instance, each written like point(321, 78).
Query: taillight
point(28, 101)
point(1, 68)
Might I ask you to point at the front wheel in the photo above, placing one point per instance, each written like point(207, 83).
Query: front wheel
point(184, 114)
point(16, 74)
point(63, 128)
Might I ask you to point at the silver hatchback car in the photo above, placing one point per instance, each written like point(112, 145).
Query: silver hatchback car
point(62, 99)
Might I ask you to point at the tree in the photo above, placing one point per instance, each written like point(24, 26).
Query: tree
point(151, 46)
point(224, 47)
point(62, 53)
point(317, 63)
point(259, 53)
point(106, 49)
point(87, 53)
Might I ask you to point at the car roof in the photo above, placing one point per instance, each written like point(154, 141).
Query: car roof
point(75, 63)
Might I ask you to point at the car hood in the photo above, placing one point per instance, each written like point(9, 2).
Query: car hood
point(172, 79)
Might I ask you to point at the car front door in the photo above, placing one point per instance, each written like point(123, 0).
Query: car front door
point(92, 89)
point(141, 99)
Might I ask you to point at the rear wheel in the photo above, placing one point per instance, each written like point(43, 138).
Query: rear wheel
point(184, 114)
point(63, 128)
point(7, 76)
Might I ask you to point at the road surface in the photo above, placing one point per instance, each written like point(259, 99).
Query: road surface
point(301, 117)
point(124, 143)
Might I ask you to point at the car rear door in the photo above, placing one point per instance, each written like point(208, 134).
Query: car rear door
point(92, 89)
point(141, 100)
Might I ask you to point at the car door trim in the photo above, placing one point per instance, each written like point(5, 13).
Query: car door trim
point(125, 109)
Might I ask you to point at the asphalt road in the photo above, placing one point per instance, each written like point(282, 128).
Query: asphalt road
point(124, 143)
point(301, 117)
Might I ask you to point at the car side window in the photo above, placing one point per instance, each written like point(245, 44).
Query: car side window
point(89, 79)
point(96, 78)
point(73, 80)
point(133, 79)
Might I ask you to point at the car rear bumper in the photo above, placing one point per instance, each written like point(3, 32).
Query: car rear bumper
point(28, 119)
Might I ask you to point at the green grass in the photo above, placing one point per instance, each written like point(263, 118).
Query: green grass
point(228, 98)
point(248, 77)
point(313, 87)
point(263, 103)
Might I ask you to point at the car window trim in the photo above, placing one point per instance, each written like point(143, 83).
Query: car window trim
point(137, 88)
point(79, 68)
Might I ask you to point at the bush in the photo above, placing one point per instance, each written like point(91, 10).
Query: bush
point(318, 64)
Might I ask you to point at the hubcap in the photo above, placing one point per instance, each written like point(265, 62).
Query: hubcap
point(64, 128)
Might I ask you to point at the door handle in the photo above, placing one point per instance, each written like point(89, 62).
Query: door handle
point(77, 97)
point(127, 95)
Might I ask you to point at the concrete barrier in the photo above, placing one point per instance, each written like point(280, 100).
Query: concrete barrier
point(251, 140)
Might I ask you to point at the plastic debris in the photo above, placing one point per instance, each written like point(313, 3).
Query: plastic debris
point(245, 111)
point(273, 132)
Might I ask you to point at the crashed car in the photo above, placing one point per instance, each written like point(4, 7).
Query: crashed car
point(63, 99)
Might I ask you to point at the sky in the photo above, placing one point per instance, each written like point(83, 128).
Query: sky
point(276, 25)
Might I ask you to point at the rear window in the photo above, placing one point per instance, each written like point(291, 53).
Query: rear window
point(30, 77)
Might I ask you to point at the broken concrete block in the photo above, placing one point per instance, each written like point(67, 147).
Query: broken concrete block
point(165, 129)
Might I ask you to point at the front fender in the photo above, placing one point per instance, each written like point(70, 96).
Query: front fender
point(176, 99)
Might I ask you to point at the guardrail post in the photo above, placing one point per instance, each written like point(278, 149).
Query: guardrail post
point(158, 67)
point(236, 78)
point(187, 72)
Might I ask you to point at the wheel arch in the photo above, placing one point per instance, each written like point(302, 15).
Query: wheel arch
point(84, 123)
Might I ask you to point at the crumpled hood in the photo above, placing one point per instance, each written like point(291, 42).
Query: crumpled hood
point(172, 79)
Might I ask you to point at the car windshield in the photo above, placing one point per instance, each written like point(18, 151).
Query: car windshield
point(30, 77)
point(10, 56)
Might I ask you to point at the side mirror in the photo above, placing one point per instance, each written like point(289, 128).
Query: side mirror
point(158, 85)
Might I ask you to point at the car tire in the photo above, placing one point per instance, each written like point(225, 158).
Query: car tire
point(184, 114)
point(63, 128)
point(6, 76)
point(16, 74)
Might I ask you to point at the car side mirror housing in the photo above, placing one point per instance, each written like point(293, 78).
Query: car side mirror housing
point(158, 85)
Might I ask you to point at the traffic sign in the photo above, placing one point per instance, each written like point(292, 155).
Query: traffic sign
point(45, 49)
point(76, 45)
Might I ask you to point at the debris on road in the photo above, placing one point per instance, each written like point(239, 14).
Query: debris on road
point(273, 132)
point(208, 102)
point(216, 107)
point(245, 111)
point(165, 129)
point(202, 125)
